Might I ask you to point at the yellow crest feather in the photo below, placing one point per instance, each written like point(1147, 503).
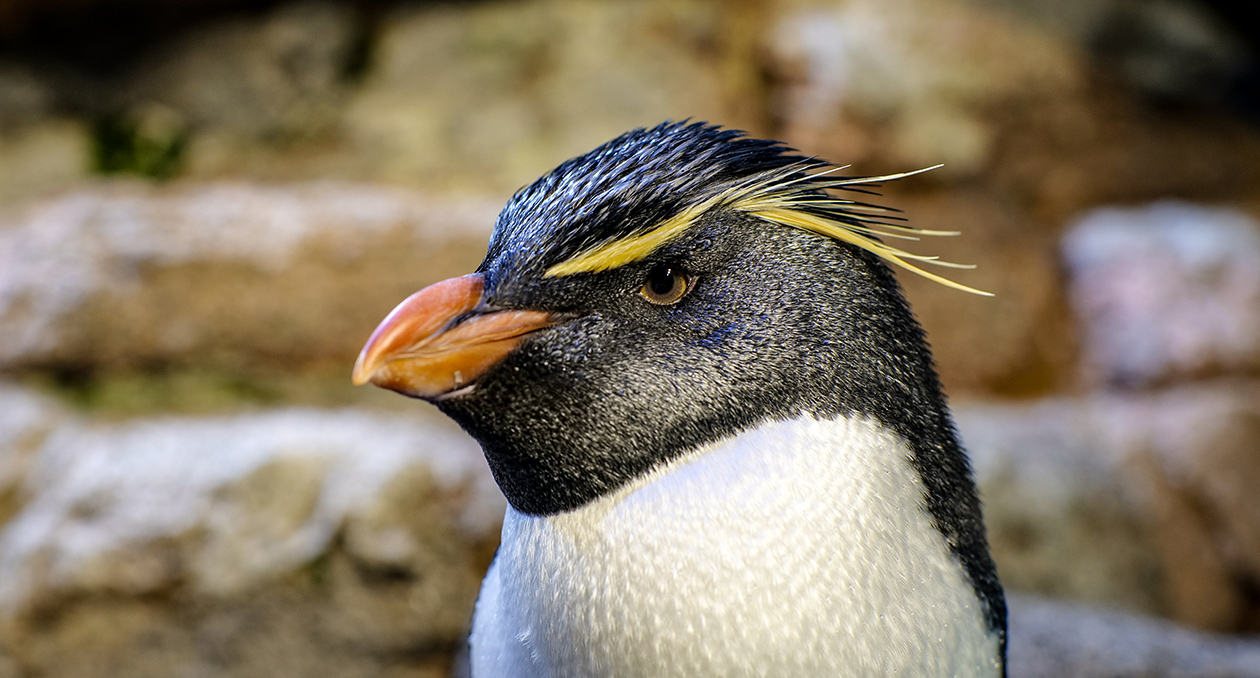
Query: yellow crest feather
point(633, 248)
point(798, 203)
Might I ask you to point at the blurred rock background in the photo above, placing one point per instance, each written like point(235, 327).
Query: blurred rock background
point(207, 205)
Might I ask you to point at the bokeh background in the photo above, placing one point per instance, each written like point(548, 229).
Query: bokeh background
point(207, 205)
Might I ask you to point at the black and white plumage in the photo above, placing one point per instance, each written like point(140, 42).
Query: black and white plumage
point(716, 421)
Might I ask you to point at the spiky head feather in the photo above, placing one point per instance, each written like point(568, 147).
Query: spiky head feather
point(646, 188)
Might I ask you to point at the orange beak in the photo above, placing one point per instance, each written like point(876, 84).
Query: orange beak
point(433, 343)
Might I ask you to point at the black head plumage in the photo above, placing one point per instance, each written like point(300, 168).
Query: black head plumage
point(629, 184)
point(620, 202)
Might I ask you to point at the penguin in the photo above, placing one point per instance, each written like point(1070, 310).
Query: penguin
point(717, 424)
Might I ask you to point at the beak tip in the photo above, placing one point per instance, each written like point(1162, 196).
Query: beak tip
point(362, 372)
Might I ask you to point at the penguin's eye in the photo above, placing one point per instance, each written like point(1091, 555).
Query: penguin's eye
point(666, 285)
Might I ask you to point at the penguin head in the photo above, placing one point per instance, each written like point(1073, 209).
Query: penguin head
point(665, 291)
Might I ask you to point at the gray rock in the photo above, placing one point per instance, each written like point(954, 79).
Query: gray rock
point(42, 159)
point(1167, 291)
point(26, 420)
point(1172, 49)
point(227, 273)
point(921, 71)
point(1056, 640)
point(1062, 517)
point(278, 78)
point(223, 504)
point(24, 96)
point(299, 541)
point(495, 94)
point(1144, 502)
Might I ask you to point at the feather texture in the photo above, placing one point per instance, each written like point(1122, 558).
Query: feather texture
point(790, 196)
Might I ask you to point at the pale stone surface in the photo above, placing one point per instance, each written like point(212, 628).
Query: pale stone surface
point(1144, 502)
point(1056, 640)
point(222, 504)
point(1054, 494)
point(1165, 291)
point(314, 542)
point(302, 541)
point(26, 419)
point(129, 273)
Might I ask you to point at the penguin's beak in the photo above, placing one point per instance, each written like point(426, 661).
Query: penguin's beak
point(441, 339)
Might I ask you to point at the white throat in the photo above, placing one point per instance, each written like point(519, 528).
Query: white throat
point(799, 548)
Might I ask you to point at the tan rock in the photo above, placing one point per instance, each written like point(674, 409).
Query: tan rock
point(1003, 98)
point(1198, 457)
point(39, 160)
point(26, 420)
point(275, 633)
point(1052, 640)
point(1139, 501)
point(1020, 341)
point(295, 541)
point(494, 94)
point(916, 75)
point(278, 78)
point(226, 274)
point(893, 86)
point(25, 96)
point(8, 667)
point(1063, 518)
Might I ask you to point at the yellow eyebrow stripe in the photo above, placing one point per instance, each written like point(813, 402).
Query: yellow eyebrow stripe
point(778, 204)
point(634, 248)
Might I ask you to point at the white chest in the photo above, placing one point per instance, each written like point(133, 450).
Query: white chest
point(799, 548)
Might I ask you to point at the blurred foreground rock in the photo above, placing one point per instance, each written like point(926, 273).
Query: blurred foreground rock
point(292, 542)
point(305, 542)
point(1055, 640)
point(232, 275)
point(1142, 501)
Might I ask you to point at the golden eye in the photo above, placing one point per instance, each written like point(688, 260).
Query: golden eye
point(666, 285)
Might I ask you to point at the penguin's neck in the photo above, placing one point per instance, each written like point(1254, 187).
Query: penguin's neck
point(800, 547)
